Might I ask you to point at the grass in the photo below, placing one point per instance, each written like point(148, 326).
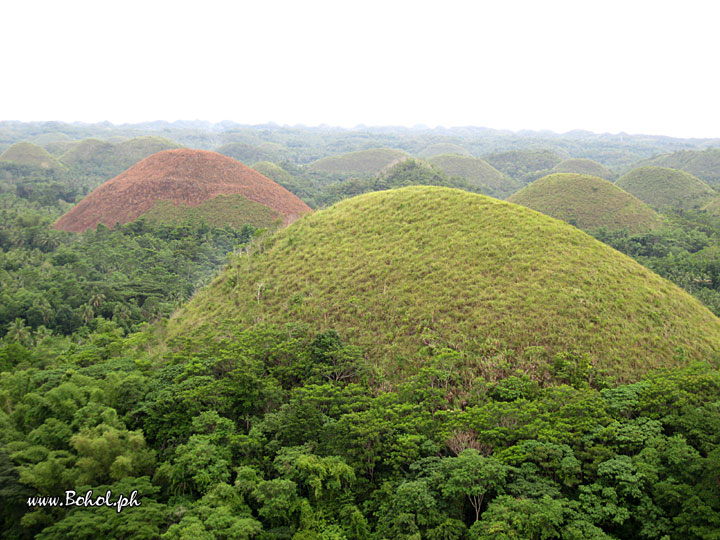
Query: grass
point(405, 271)
point(584, 166)
point(588, 202)
point(220, 211)
point(363, 162)
point(273, 171)
point(661, 187)
point(705, 164)
point(25, 153)
point(478, 173)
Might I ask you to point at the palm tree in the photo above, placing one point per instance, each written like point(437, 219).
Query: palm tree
point(18, 331)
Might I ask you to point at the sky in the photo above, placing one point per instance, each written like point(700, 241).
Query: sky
point(634, 66)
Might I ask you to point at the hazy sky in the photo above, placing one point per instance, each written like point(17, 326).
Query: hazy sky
point(633, 66)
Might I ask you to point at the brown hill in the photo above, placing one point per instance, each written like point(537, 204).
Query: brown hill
point(183, 177)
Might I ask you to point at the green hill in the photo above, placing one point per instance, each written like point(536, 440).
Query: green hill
point(705, 164)
point(588, 202)
point(478, 173)
point(362, 162)
point(401, 273)
point(584, 166)
point(273, 171)
point(250, 153)
point(104, 159)
point(25, 153)
point(661, 187)
point(524, 165)
point(443, 148)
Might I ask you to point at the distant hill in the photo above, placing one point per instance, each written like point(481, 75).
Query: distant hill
point(362, 162)
point(273, 171)
point(588, 202)
point(402, 272)
point(443, 148)
point(183, 178)
point(524, 165)
point(25, 153)
point(705, 164)
point(584, 166)
point(103, 159)
point(251, 153)
point(478, 173)
point(662, 187)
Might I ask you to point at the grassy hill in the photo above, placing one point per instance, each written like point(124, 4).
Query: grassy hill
point(588, 202)
point(661, 187)
point(705, 164)
point(183, 178)
point(524, 165)
point(25, 153)
point(478, 173)
point(250, 153)
point(273, 171)
point(584, 166)
point(443, 148)
point(103, 159)
point(362, 162)
point(401, 273)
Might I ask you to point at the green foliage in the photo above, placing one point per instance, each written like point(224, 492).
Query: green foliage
point(583, 166)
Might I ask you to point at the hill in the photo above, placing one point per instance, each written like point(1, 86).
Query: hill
point(438, 149)
point(251, 153)
point(478, 173)
point(187, 177)
point(104, 159)
point(584, 166)
point(25, 153)
point(705, 164)
point(524, 165)
point(588, 202)
point(273, 171)
point(362, 162)
point(403, 272)
point(661, 187)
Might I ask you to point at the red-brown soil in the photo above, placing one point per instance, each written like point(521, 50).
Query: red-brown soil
point(182, 176)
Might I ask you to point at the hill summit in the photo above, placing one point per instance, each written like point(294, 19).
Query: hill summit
point(182, 177)
point(588, 202)
point(662, 187)
point(404, 271)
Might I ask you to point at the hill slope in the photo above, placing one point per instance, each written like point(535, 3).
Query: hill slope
point(661, 187)
point(361, 162)
point(584, 166)
point(705, 164)
point(25, 153)
point(478, 173)
point(588, 202)
point(398, 271)
point(524, 165)
point(188, 177)
point(439, 149)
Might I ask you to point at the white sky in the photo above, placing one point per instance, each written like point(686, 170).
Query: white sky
point(605, 66)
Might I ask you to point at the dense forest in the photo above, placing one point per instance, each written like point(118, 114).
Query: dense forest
point(285, 430)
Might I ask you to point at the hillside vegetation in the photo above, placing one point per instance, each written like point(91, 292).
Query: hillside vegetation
point(438, 149)
point(524, 165)
point(399, 271)
point(705, 164)
point(584, 166)
point(588, 202)
point(661, 187)
point(362, 162)
point(478, 173)
point(25, 153)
